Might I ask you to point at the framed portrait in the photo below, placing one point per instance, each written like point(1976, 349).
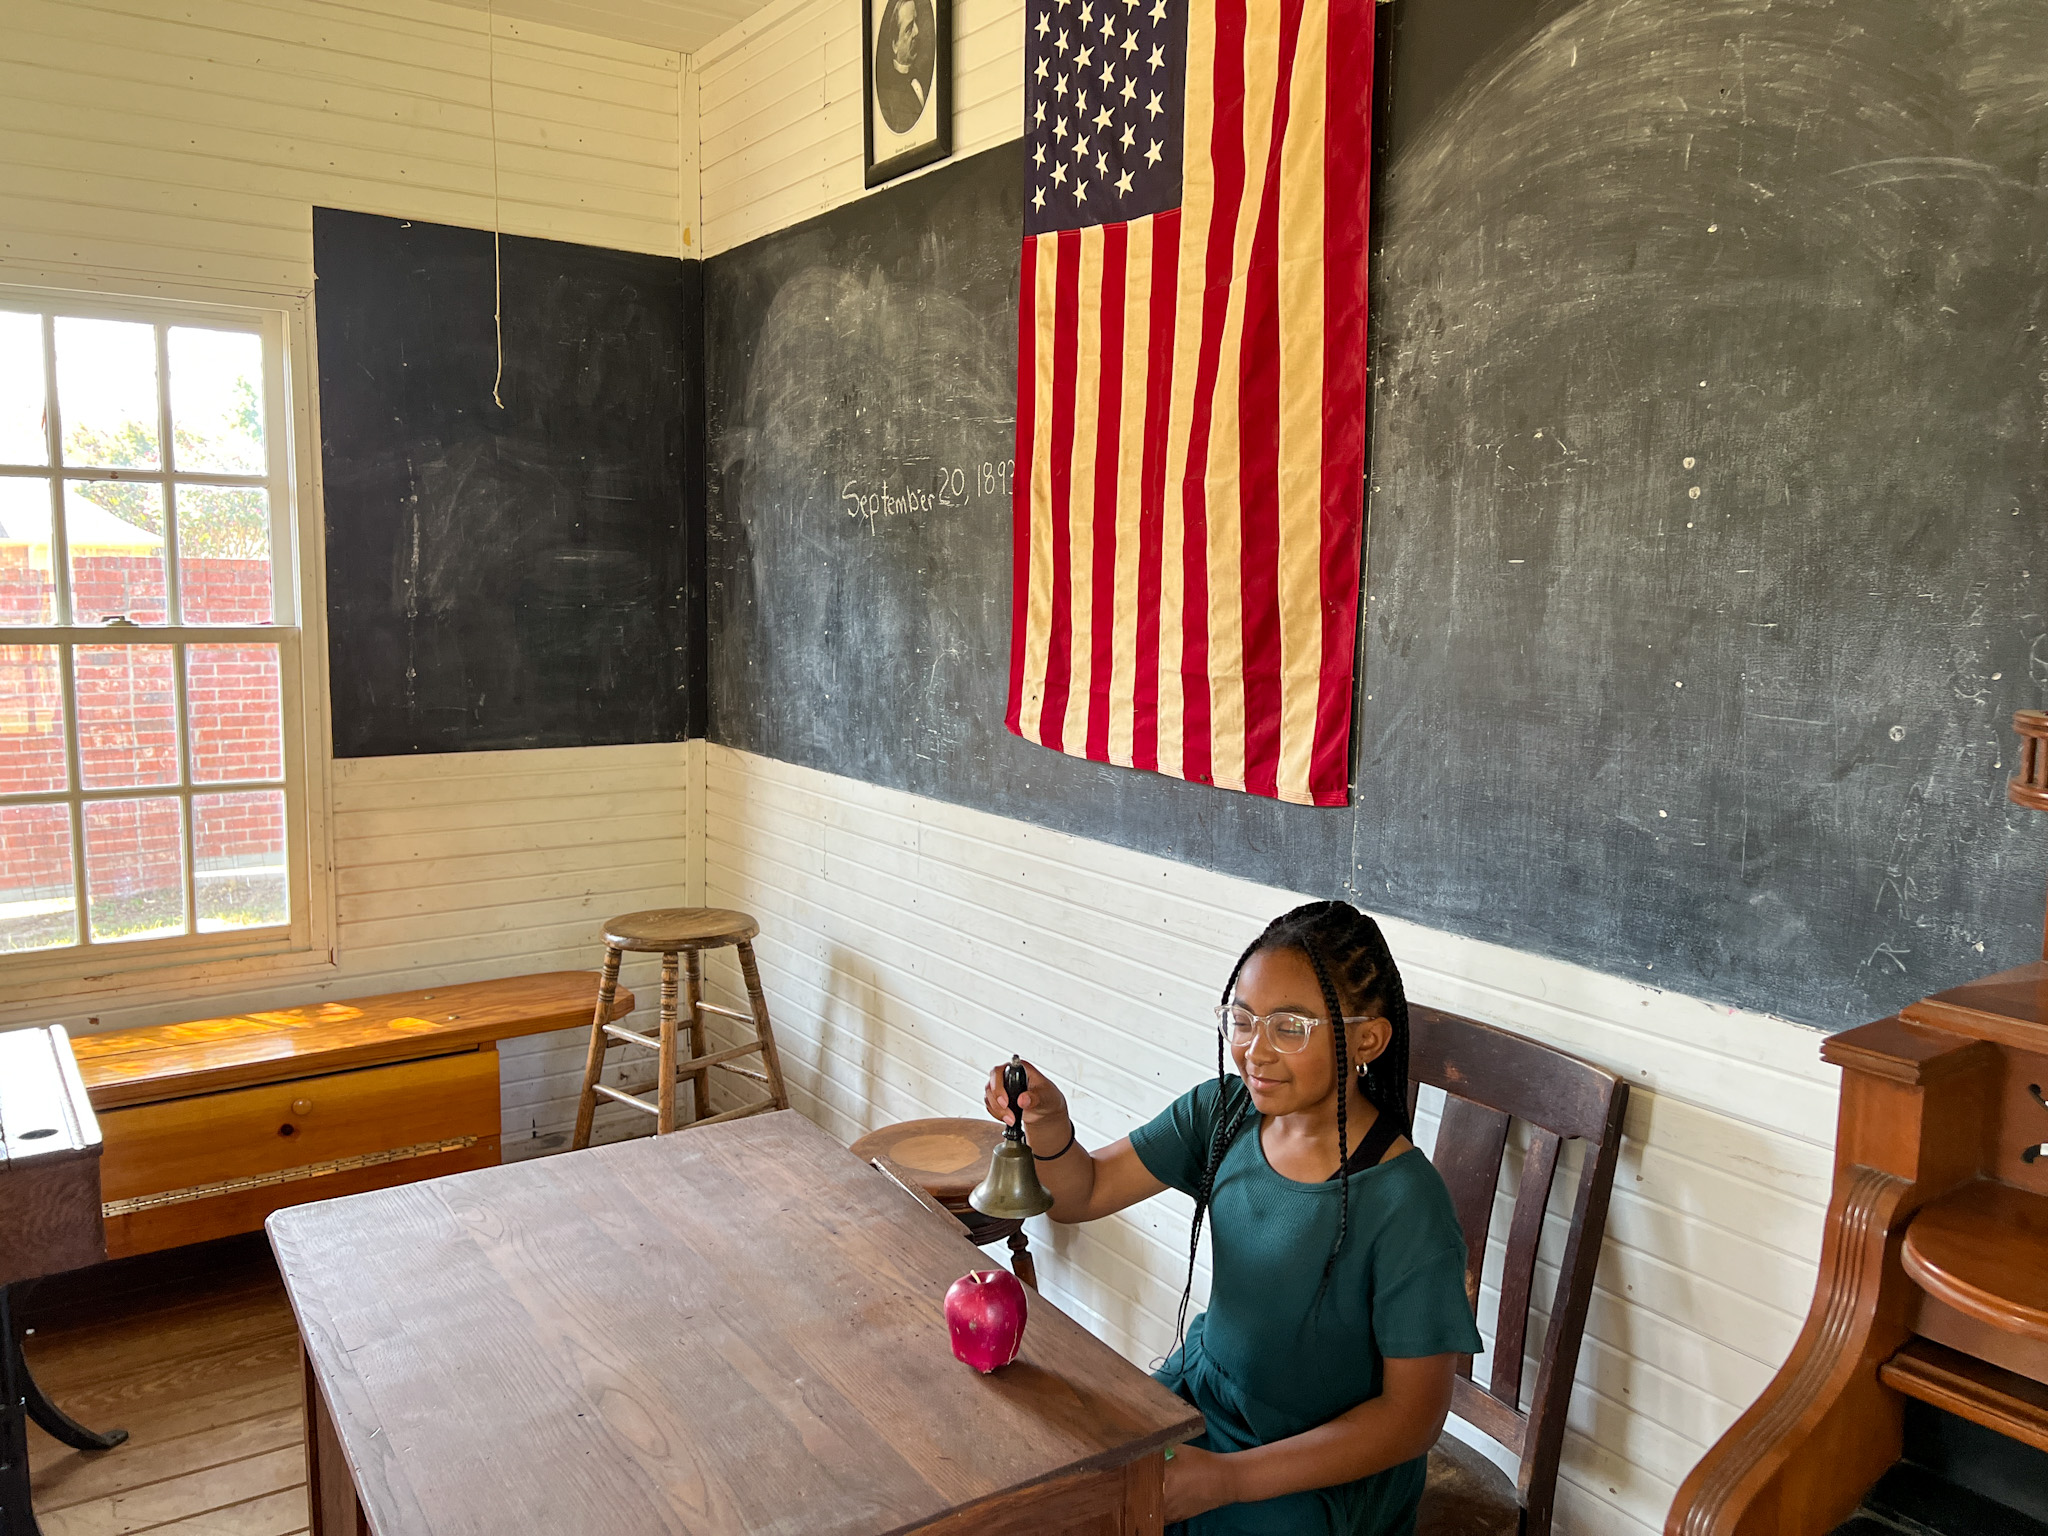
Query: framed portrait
point(907, 48)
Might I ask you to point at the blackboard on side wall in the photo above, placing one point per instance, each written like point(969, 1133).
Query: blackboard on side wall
point(515, 576)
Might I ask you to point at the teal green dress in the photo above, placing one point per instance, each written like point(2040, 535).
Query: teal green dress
point(1267, 1360)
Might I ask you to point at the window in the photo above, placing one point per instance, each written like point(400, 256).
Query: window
point(152, 752)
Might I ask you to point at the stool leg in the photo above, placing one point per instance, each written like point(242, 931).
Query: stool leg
point(665, 1092)
point(700, 1045)
point(759, 1001)
point(1021, 1262)
point(593, 1061)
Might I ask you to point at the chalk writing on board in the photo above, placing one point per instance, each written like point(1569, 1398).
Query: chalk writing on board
point(949, 485)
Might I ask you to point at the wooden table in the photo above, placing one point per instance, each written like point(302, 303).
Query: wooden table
point(733, 1329)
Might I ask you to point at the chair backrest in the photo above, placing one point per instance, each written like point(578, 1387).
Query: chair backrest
point(1489, 1078)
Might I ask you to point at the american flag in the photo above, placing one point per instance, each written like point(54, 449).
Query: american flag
point(1191, 387)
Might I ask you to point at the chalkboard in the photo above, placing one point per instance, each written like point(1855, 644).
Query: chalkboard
point(515, 576)
point(1705, 545)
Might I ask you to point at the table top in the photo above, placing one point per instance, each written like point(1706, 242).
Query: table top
point(737, 1328)
point(1983, 1249)
point(141, 1066)
point(43, 1109)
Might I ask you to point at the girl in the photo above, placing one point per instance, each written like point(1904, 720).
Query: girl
point(1323, 1365)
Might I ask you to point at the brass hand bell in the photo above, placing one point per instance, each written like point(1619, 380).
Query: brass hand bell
point(1012, 1191)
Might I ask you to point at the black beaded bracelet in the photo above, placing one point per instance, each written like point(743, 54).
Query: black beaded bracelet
point(1054, 1157)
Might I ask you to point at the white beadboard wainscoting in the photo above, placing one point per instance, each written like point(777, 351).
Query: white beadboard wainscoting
point(908, 945)
point(191, 142)
point(464, 866)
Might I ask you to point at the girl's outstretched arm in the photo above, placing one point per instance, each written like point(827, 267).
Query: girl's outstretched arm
point(1083, 1184)
point(1398, 1425)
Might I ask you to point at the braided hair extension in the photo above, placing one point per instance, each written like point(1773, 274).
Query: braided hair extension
point(1356, 972)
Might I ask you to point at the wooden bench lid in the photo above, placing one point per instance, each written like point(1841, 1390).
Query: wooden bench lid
point(947, 1158)
point(172, 1061)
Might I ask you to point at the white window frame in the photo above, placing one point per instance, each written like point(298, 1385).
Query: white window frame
point(297, 629)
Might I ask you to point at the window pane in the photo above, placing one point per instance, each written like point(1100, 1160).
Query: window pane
point(127, 716)
point(22, 437)
point(38, 908)
point(27, 572)
point(223, 554)
point(116, 535)
point(106, 393)
point(31, 721)
point(236, 707)
point(134, 869)
point(238, 861)
point(216, 400)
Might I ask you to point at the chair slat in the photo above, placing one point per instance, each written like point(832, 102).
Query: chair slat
point(1511, 1332)
point(1469, 1143)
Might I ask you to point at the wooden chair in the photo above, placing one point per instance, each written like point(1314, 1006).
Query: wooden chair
point(945, 1159)
point(686, 932)
point(1491, 1078)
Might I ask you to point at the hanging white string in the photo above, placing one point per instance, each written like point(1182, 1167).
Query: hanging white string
point(497, 268)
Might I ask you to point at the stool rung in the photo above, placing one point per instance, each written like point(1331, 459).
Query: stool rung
point(726, 1013)
point(758, 1108)
point(627, 1036)
point(759, 1077)
point(716, 1059)
point(620, 1096)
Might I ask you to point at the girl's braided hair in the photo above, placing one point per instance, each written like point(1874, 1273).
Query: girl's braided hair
point(1357, 974)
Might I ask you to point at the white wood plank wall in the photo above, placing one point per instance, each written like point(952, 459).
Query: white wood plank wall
point(780, 100)
point(190, 142)
point(467, 866)
point(908, 945)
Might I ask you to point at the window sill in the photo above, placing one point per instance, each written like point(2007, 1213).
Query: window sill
point(47, 988)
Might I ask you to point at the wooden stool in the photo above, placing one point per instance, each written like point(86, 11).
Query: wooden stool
point(947, 1158)
point(686, 931)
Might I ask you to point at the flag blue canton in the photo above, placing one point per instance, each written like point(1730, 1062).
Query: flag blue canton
point(1104, 82)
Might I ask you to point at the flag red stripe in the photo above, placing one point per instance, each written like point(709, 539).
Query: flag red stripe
point(1152, 491)
point(1065, 343)
point(1226, 154)
point(1020, 481)
point(1259, 447)
point(1346, 151)
point(1108, 448)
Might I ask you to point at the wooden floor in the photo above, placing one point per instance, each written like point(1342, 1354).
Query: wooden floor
point(198, 1359)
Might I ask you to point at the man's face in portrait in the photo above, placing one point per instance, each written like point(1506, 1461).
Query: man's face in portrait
point(903, 52)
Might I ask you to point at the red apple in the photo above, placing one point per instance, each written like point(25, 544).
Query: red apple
point(985, 1313)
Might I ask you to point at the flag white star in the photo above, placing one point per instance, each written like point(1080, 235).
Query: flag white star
point(1102, 165)
point(1081, 148)
point(1038, 198)
point(1084, 58)
point(1081, 106)
point(1038, 112)
point(1130, 5)
point(1102, 118)
point(1087, 13)
point(1123, 182)
point(1108, 72)
point(1060, 86)
point(1063, 4)
point(1127, 138)
point(1059, 129)
point(1039, 73)
point(1038, 154)
point(1080, 191)
point(1130, 42)
point(1109, 24)
point(1059, 174)
point(1152, 153)
point(1130, 90)
point(1152, 107)
point(1061, 44)
point(1158, 11)
point(1157, 60)
point(1044, 24)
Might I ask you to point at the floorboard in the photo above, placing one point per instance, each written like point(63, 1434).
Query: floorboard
point(196, 1356)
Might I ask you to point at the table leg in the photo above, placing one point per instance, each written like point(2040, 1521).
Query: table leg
point(1144, 1511)
point(331, 1503)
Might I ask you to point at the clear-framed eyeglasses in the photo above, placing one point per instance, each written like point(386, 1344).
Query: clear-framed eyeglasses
point(1289, 1031)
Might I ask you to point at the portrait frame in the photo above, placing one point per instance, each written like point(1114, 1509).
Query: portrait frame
point(902, 129)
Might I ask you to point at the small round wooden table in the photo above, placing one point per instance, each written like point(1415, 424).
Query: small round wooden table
point(946, 1159)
